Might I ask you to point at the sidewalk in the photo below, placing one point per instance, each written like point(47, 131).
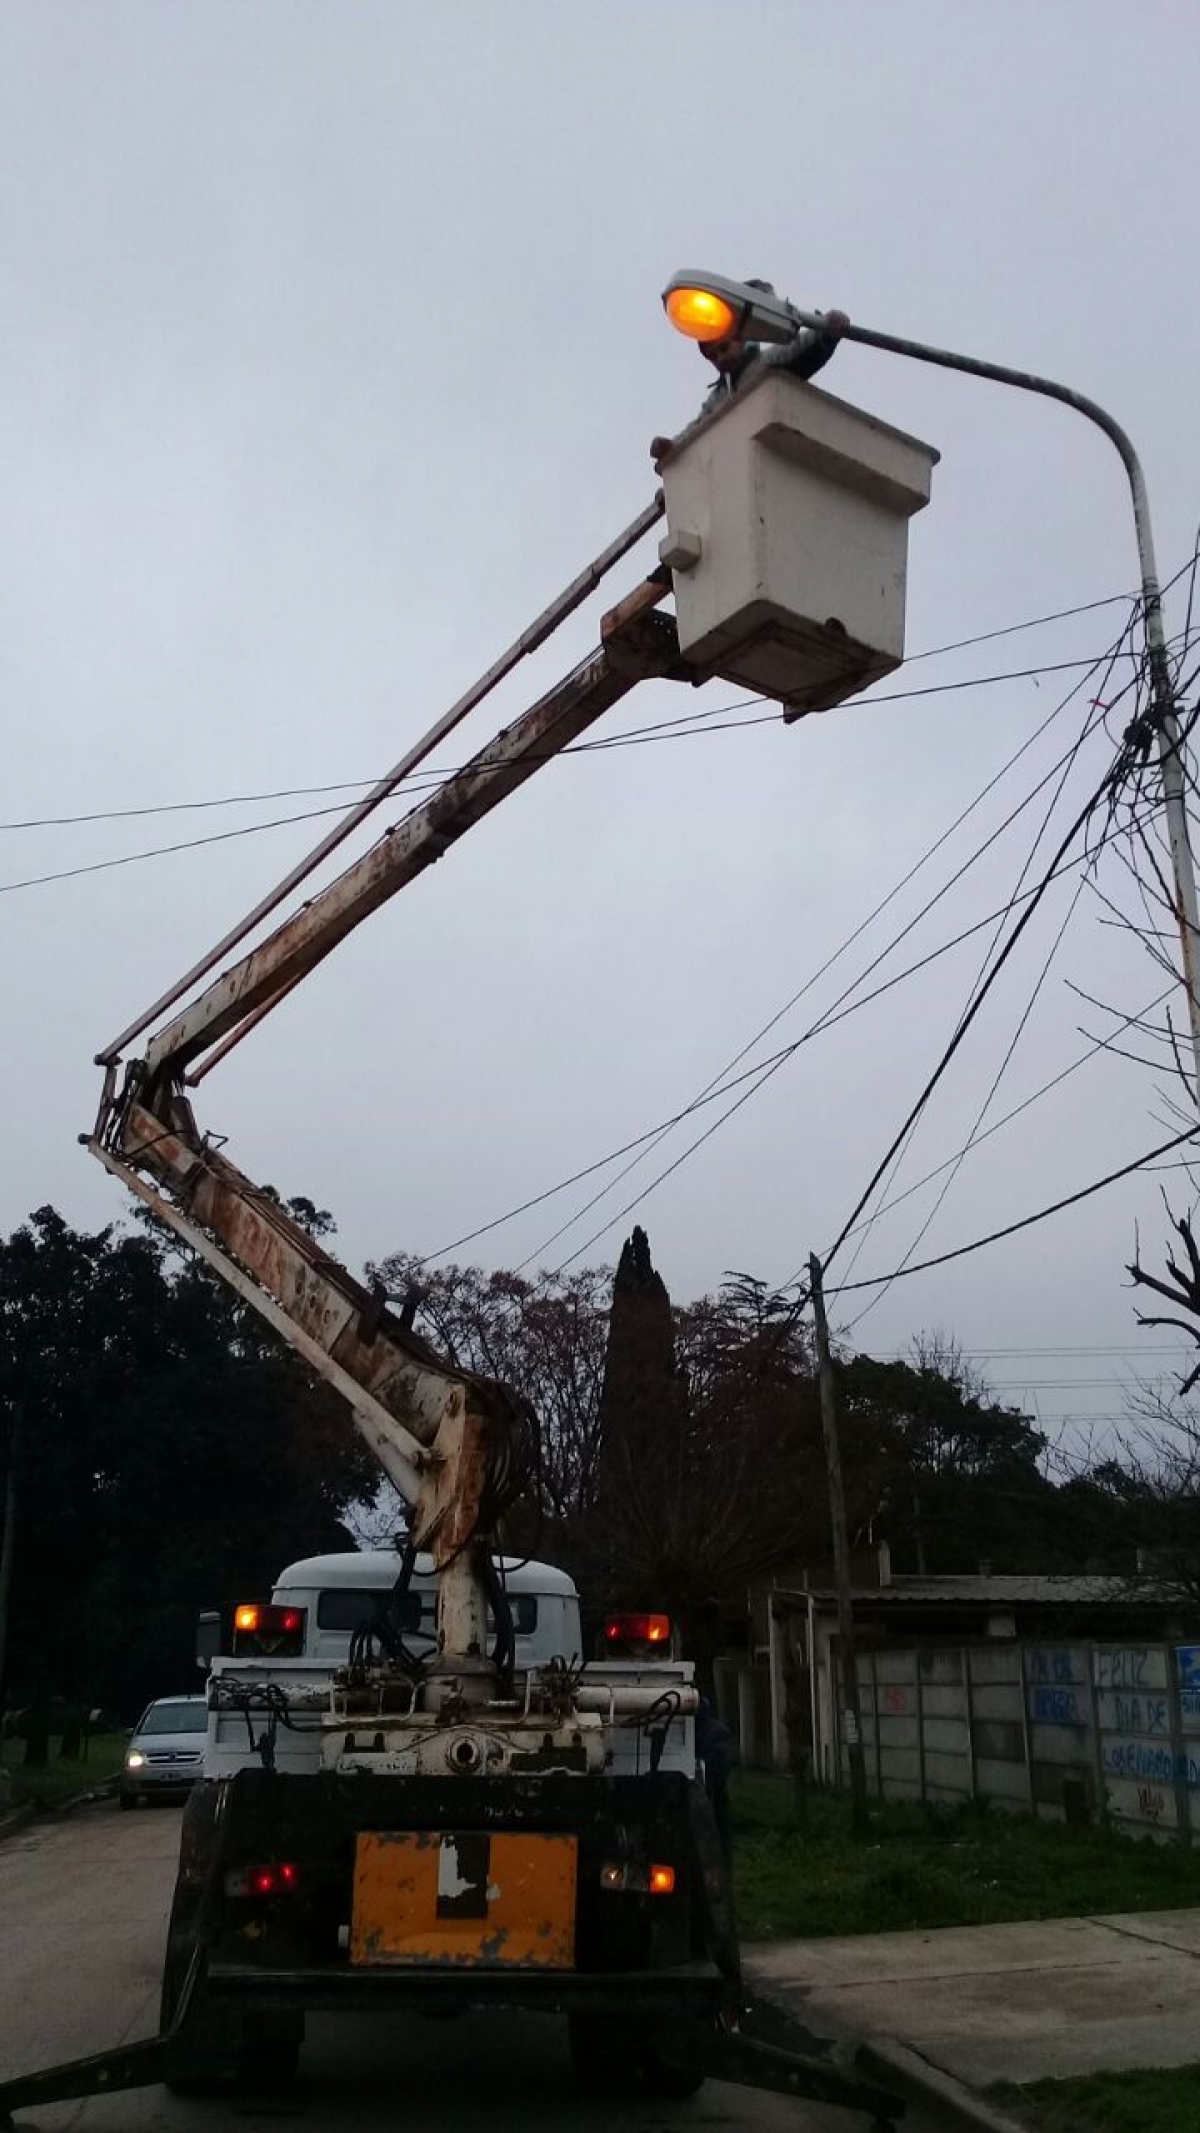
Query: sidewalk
point(1006, 2003)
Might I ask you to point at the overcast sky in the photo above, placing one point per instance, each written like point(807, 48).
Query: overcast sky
point(331, 349)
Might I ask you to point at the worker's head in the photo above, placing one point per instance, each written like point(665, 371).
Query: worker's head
point(725, 355)
point(731, 353)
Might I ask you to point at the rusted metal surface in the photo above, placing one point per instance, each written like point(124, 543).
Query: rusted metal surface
point(629, 651)
point(243, 1029)
point(404, 852)
point(453, 1741)
point(447, 1899)
point(379, 1428)
point(547, 622)
point(440, 1433)
point(433, 1427)
point(644, 597)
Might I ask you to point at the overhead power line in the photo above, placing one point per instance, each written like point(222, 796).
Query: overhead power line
point(976, 1355)
point(765, 1070)
point(1102, 710)
point(685, 727)
point(1010, 629)
point(1039, 984)
point(1099, 713)
point(422, 779)
point(1013, 1229)
point(793, 1001)
point(1109, 785)
point(977, 1140)
point(663, 730)
point(714, 1095)
point(1125, 766)
point(1105, 1384)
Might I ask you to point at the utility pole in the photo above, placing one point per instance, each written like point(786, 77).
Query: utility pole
point(8, 1530)
point(851, 1714)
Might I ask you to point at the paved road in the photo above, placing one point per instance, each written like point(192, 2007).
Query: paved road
point(83, 1907)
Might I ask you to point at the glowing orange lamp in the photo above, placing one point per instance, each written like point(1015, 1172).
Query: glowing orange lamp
point(701, 314)
point(710, 307)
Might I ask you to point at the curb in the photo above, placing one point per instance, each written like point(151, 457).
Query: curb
point(28, 1811)
point(924, 2081)
point(91, 1796)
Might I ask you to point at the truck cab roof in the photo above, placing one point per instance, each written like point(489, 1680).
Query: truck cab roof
point(376, 1567)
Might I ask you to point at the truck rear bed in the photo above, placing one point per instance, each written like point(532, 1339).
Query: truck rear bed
point(512, 1890)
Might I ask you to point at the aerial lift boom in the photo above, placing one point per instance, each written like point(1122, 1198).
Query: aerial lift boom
point(457, 1446)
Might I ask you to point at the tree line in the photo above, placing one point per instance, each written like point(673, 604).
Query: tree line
point(162, 1452)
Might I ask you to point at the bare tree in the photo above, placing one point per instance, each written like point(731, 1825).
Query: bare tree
point(1153, 1495)
point(380, 1521)
point(940, 1354)
point(1180, 1287)
point(546, 1337)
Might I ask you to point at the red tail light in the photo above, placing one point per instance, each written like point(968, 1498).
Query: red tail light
point(268, 1629)
point(277, 1877)
point(637, 1629)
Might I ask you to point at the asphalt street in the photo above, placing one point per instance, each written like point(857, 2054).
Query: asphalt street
point(83, 1908)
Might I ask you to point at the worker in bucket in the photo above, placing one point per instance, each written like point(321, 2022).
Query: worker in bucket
point(737, 361)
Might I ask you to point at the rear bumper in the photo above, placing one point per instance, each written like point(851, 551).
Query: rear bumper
point(140, 1786)
point(697, 1992)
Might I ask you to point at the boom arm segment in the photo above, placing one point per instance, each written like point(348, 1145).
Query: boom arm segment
point(631, 653)
point(458, 1447)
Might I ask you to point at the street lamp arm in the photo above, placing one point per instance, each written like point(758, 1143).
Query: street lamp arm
point(1029, 382)
point(1169, 739)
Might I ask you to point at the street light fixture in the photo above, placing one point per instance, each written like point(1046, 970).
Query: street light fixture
point(761, 315)
point(710, 307)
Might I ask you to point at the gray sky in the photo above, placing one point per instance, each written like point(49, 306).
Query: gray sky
point(331, 349)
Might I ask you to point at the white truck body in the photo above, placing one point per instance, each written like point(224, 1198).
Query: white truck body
point(338, 1592)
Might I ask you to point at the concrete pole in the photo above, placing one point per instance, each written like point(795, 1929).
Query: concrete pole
point(747, 1718)
point(777, 1632)
point(8, 1532)
point(851, 1707)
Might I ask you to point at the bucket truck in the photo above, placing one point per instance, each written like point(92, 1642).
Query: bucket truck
point(466, 1819)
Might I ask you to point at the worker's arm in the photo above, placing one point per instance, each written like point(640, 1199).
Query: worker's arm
point(803, 356)
point(808, 351)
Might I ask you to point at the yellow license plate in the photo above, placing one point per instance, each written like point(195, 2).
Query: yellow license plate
point(485, 1901)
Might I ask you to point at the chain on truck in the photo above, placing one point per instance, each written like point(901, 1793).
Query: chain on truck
point(445, 1811)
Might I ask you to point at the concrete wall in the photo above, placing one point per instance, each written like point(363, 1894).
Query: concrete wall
point(1052, 1729)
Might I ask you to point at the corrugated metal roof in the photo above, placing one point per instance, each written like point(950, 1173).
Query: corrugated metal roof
point(996, 1592)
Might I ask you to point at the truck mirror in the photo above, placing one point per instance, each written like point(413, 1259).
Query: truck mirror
point(208, 1637)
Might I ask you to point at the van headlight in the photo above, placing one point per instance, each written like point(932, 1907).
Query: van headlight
point(134, 1759)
